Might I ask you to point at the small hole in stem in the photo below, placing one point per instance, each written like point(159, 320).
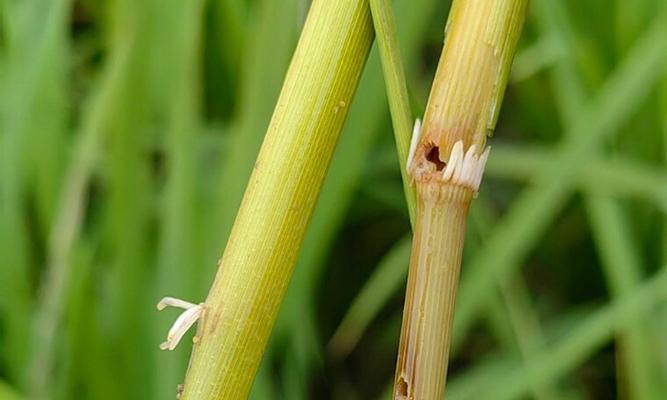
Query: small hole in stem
point(433, 155)
point(402, 388)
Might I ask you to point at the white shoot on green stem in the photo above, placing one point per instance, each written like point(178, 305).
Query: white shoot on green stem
point(184, 321)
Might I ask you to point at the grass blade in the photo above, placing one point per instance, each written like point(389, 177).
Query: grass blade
point(571, 350)
point(532, 211)
point(34, 85)
point(386, 280)
point(618, 176)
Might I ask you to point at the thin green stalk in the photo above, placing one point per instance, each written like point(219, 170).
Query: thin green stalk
point(397, 91)
point(258, 260)
point(446, 162)
point(387, 278)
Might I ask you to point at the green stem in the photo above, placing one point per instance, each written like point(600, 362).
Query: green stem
point(257, 263)
point(397, 91)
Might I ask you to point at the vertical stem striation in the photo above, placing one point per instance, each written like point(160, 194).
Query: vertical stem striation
point(446, 162)
point(431, 292)
point(257, 263)
point(469, 84)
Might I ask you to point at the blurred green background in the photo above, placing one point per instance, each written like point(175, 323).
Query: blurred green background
point(128, 132)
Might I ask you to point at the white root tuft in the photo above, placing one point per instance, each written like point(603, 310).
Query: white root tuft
point(184, 321)
point(416, 134)
point(465, 169)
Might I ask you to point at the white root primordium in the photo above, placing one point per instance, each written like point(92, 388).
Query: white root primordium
point(416, 133)
point(184, 321)
point(464, 168)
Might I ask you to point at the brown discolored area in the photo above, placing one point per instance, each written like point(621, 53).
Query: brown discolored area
point(401, 389)
point(214, 322)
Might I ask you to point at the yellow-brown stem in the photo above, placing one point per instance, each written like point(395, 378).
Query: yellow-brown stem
point(437, 247)
point(480, 40)
point(481, 37)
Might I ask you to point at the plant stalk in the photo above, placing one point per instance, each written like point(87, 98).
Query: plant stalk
point(397, 90)
point(446, 163)
point(259, 257)
point(468, 88)
point(432, 281)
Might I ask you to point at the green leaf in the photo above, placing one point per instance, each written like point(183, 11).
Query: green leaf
point(580, 342)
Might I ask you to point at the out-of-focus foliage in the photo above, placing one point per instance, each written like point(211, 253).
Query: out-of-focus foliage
point(128, 130)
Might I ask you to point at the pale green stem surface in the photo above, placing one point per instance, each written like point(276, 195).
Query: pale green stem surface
point(264, 243)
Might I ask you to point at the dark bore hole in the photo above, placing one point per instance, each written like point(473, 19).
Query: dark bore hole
point(433, 156)
point(402, 388)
